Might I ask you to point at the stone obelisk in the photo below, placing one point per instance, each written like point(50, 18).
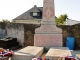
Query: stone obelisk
point(48, 35)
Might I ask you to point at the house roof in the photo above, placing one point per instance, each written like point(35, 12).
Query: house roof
point(26, 15)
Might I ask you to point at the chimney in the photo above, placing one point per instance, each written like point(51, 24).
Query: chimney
point(35, 6)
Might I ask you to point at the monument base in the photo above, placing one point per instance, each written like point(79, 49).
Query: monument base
point(48, 40)
point(48, 29)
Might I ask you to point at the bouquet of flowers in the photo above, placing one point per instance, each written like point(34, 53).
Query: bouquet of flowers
point(6, 52)
point(67, 58)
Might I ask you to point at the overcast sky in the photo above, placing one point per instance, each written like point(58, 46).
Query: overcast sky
point(9, 9)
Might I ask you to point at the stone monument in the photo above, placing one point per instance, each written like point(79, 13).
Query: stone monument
point(48, 35)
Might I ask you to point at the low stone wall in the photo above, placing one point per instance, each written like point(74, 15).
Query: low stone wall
point(29, 31)
point(74, 31)
point(16, 31)
point(25, 32)
point(2, 30)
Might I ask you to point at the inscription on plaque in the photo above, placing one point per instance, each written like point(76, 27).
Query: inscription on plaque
point(48, 40)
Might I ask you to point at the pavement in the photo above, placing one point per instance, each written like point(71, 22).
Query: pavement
point(77, 52)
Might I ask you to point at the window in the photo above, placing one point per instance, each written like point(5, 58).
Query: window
point(34, 14)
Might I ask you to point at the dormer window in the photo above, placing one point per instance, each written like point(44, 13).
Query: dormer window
point(35, 14)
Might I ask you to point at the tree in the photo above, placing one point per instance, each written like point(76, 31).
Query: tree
point(5, 21)
point(61, 19)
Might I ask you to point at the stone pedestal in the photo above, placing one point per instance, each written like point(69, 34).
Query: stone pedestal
point(48, 40)
point(48, 29)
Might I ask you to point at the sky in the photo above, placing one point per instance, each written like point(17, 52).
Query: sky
point(9, 9)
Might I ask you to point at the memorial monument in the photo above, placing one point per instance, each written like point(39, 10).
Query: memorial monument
point(48, 35)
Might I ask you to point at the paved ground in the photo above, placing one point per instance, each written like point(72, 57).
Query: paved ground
point(77, 52)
